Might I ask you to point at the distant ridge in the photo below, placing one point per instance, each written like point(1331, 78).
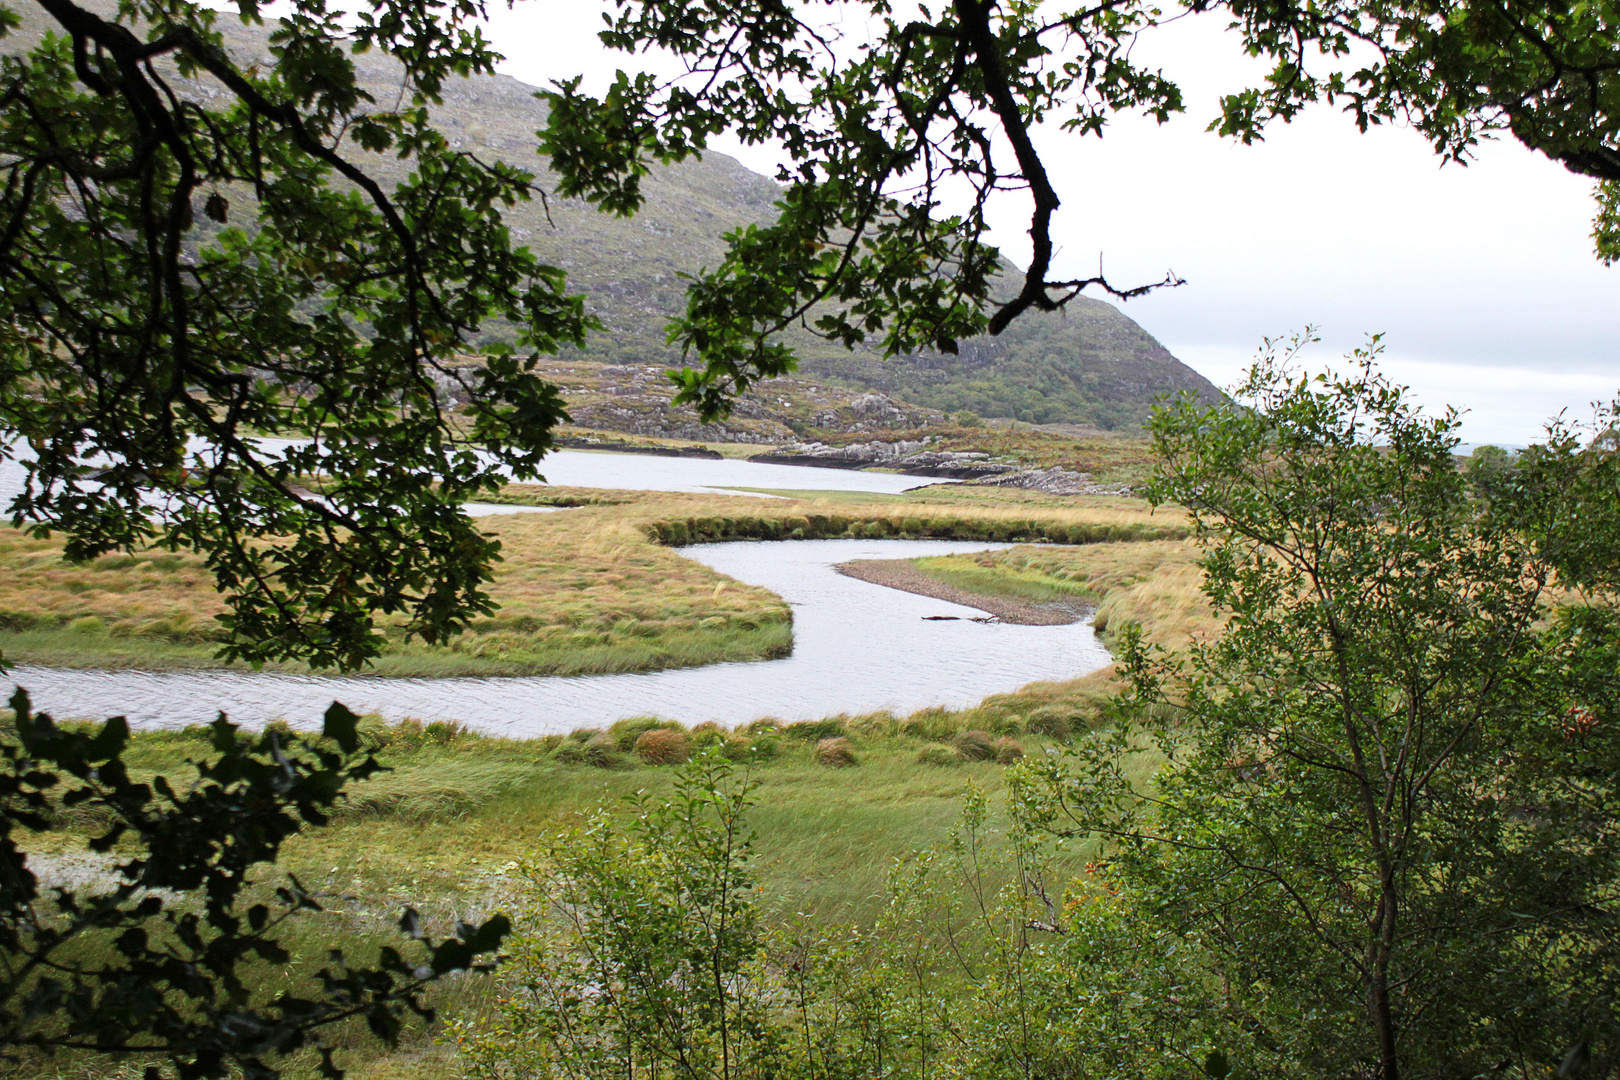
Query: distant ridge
point(1089, 365)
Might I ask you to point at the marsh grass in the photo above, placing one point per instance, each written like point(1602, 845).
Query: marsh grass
point(599, 588)
point(1155, 583)
point(1001, 578)
point(594, 589)
point(446, 829)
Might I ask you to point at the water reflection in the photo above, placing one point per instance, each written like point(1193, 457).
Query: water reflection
point(640, 472)
point(858, 647)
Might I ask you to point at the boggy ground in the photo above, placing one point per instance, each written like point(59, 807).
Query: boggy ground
point(450, 827)
point(593, 588)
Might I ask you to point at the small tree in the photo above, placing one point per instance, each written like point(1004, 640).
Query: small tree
point(1383, 820)
point(198, 252)
point(157, 961)
point(638, 945)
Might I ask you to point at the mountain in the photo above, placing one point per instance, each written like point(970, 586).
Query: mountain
point(1089, 365)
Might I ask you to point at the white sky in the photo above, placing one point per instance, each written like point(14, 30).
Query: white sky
point(1481, 278)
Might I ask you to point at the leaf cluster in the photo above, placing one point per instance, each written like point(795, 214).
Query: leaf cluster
point(162, 959)
point(194, 254)
point(865, 248)
point(1383, 807)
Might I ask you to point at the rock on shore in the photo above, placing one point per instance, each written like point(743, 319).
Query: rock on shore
point(905, 456)
point(1054, 481)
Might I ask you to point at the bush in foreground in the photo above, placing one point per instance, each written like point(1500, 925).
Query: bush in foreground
point(157, 961)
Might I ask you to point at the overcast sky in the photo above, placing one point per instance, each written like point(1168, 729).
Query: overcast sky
point(1482, 279)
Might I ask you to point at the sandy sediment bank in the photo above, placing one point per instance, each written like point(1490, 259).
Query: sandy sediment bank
point(901, 574)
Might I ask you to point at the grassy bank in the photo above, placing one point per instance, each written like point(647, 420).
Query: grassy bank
point(1154, 583)
point(445, 829)
point(592, 589)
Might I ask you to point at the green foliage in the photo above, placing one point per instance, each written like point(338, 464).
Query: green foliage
point(643, 950)
point(1547, 72)
point(184, 272)
point(1606, 226)
point(849, 256)
point(1490, 471)
point(162, 958)
point(1385, 811)
point(864, 255)
point(638, 945)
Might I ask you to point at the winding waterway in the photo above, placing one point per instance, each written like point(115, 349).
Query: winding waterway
point(858, 647)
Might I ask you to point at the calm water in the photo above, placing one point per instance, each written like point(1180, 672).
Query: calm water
point(641, 472)
point(857, 647)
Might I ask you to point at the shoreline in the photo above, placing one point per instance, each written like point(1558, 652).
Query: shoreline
point(901, 574)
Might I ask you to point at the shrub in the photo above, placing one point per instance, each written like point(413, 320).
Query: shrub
point(445, 732)
point(708, 733)
point(878, 725)
point(836, 752)
point(1003, 723)
point(1008, 750)
point(569, 752)
point(662, 746)
point(597, 749)
point(975, 746)
point(602, 752)
point(762, 747)
point(166, 948)
point(934, 723)
point(935, 754)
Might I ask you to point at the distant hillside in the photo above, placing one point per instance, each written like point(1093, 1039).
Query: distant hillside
point(1092, 365)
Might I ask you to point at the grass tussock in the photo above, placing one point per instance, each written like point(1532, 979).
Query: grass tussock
point(836, 753)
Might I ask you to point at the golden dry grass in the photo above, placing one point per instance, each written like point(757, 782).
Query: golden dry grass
point(591, 589)
point(144, 589)
point(1157, 583)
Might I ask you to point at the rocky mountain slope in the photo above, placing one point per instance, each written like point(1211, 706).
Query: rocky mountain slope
point(1090, 365)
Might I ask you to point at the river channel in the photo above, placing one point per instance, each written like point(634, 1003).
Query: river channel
point(858, 647)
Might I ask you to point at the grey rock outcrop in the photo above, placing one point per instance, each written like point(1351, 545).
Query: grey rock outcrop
point(905, 456)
